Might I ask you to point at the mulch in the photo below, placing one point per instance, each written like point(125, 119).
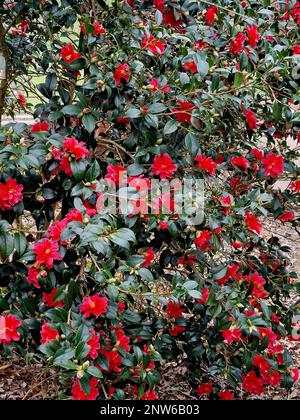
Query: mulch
point(21, 381)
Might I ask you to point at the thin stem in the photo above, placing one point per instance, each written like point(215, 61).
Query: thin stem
point(118, 146)
point(94, 261)
point(226, 9)
point(4, 83)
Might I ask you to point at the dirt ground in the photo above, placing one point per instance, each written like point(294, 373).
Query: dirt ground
point(19, 381)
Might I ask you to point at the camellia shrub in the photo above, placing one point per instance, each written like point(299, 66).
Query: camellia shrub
point(136, 91)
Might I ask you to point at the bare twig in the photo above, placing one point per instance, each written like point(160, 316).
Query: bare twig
point(116, 145)
point(4, 83)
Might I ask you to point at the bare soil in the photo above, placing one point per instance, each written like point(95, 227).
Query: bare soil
point(20, 381)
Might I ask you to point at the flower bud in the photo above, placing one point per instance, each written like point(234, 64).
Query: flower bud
point(94, 59)
point(80, 373)
point(86, 365)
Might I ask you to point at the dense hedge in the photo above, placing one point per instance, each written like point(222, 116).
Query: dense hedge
point(165, 90)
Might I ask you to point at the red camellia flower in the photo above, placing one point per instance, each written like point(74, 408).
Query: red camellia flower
point(69, 54)
point(9, 325)
point(176, 330)
point(253, 36)
point(48, 299)
point(163, 225)
point(226, 395)
point(75, 148)
point(94, 305)
point(253, 384)
point(211, 14)
point(149, 256)
point(46, 252)
point(237, 43)
point(159, 5)
point(205, 296)
point(190, 66)
point(296, 50)
point(272, 338)
point(251, 119)
point(98, 29)
point(74, 216)
point(154, 86)
point(13, 192)
point(273, 379)
point(156, 46)
point(295, 374)
point(40, 127)
point(276, 319)
point(93, 344)
point(188, 260)
point(202, 240)
point(149, 395)
point(237, 245)
point(141, 184)
point(10, 194)
point(175, 310)
point(122, 73)
point(21, 100)
point(33, 277)
point(295, 12)
point(183, 111)
point(200, 45)
point(121, 306)
point(164, 166)
point(79, 395)
point(65, 166)
point(273, 165)
point(115, 173)
point(56, 153)
point(259, 154)
point(295, 187)
point(253, 223)
point(114, 359)
point(260, 362)
point(72, 150)
point(237, 185)
point(170, 19)
point(288, 216)
point(20, 32)
point(258, 283)
point(231, 335)
point(55, 231)
point(122, 340)
point(21, 28)
point(206, 164)
point(232, 274)
point(205, 388)
point(240, 162)
point(48, 334)
point(226, 203)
